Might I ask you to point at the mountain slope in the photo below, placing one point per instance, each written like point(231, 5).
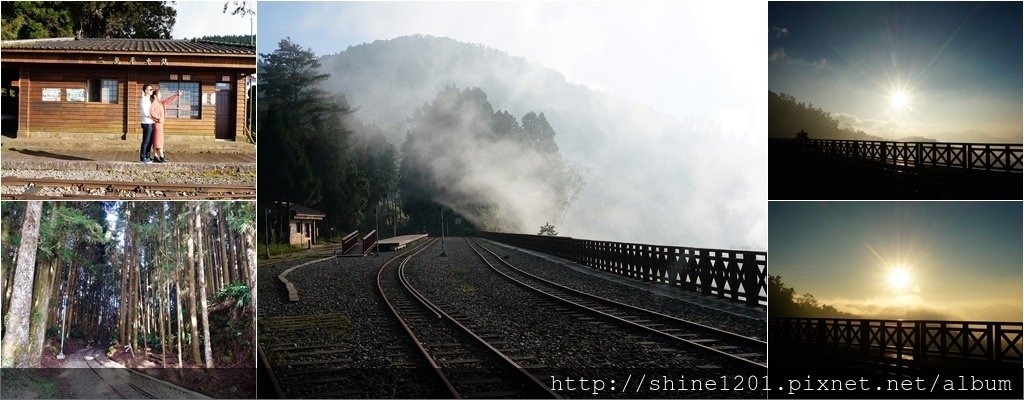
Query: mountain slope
point(651, 178)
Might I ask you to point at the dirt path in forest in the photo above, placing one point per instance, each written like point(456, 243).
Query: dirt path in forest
point(77, 381)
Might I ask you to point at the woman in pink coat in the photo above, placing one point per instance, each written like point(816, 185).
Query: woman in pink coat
point(157, 113)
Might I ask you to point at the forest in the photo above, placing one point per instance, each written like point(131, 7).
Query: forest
point(158, 284)
point(787, 116)
point(326, 158)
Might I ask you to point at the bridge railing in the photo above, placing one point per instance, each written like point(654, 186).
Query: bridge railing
point(990, 157)
point(349, 242)
point(369, 242)
point(738, 275)
point(917, 340)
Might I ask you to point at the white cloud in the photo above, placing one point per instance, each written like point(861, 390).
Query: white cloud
point(776, 32)
point(206, 18)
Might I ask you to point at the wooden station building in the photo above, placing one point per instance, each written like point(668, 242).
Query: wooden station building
point(303, 229)
point(90, 88)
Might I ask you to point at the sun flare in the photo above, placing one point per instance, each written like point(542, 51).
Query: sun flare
point(899, 99)
point(899, 279)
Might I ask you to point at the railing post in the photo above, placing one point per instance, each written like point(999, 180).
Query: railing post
point(750, 272)
point(968, 156)
point(865, 335)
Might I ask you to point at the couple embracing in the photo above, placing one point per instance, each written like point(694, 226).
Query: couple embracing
point(152, 108)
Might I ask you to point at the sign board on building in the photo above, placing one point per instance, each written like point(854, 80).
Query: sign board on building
point(76, 95)
point(51, 94)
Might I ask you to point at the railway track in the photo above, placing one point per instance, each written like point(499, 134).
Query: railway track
point(326, 364)
point(130, 384)
point(90, 189)
point(468, 365)
point(739, 349)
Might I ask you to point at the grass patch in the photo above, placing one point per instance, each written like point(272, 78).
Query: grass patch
point(25, 383)
point(276, 249)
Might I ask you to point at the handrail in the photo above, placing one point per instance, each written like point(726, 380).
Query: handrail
point(349, 242)
point(369, 242)
point(917, 340)
point(738, 275)
point(989, 157)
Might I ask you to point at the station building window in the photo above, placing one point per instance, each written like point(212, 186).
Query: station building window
point(187, 106)
point(101, 91)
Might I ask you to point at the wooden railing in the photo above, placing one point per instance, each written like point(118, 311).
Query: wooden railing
point(369, 242)
point(349, 242)
point(737, 275)
point(906, 339)
point(990, 157)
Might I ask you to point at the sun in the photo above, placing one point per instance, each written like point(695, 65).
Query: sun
point(899, 279)
point(899, 99)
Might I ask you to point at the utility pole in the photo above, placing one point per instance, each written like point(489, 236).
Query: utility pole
point(443, 253)
point(266, 225)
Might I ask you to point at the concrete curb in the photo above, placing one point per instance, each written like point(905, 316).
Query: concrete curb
point(293, 294)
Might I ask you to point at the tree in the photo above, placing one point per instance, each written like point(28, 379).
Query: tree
point(202, 287)
point(93, 19)
point(547, 230)
point(13, 352)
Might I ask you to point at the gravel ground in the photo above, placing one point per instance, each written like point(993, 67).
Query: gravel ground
point(565, 342)
point(212, 177)
point(606, 288)
point(370, 339)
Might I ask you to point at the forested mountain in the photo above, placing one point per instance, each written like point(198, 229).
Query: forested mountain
point(786, 117)
point(619, 146)
point(484, 164)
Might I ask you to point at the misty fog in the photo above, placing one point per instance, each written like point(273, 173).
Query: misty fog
point(649, 177)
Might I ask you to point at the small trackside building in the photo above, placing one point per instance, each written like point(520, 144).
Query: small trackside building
point(90, 88)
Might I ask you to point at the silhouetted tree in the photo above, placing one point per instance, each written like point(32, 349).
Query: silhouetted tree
point(547, 230)
point(91, 19)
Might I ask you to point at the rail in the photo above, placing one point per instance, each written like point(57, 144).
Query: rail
point(917, 340)
point(989, 157)
point(737, 275)
point(349, 242)
point(369, 242)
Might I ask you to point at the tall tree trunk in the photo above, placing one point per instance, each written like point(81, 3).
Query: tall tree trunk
point(177, 305)
point(40, 310)
point(147, 314)
point(202, 287)
point(163, 329)
point(226, 268)
point(122, 304)
point(190, 241)
point(250, 251)
point(14, 352)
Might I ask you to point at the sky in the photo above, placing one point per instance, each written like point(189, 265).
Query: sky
point(962, 259)
point(206, 18)
point(684, 59)
point(949, 71)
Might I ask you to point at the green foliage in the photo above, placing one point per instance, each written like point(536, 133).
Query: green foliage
point(324, 158)
point(238, 291)
point(279, 248)
point(25, 383)
point(233, 39)
point(783, 301)
point(53, 331)
point(64, 229)
point(94, 19)
point(547, 230)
